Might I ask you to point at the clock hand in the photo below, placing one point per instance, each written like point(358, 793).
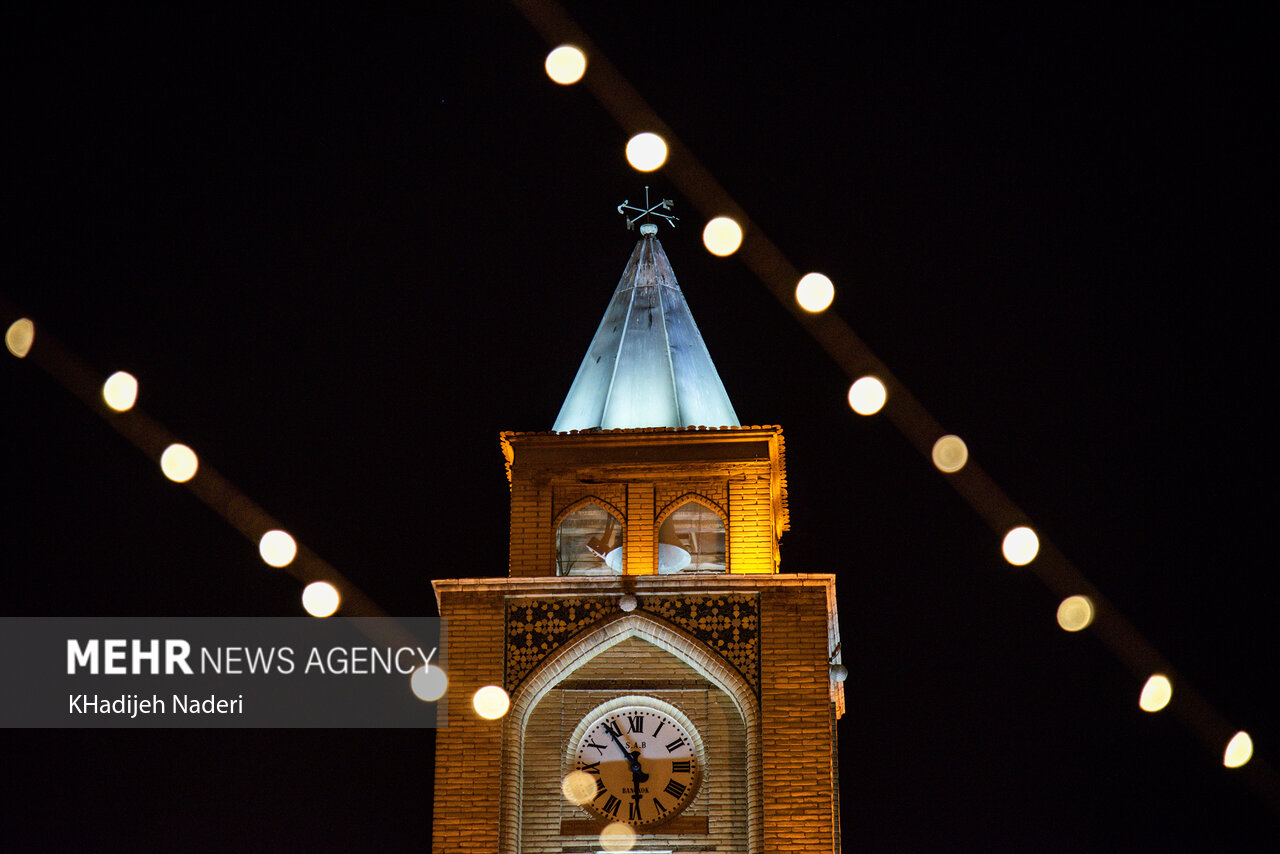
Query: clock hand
point(632, 758)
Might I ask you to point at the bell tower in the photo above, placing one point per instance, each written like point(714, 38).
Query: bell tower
point(670, 689)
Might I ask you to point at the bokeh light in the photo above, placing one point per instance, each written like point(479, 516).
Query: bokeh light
point(566, 64)
point(578, 787)
point(429, 683)
point(646, 151)
point(320, 599)
point(950, 453)
point(491, 702)
point(19, 337)
point(120, 391)
point(277, 548)
point(815, 292)
point(722, 236)
point(179, 463)
point(1156, 694)
point(1075, 613)
point(867, 396)
point(1239, 750)
point(1021, 545)
point(617, 837)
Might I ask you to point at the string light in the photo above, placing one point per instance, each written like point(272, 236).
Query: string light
point(277, 548)
point(491, 702)
point(429, 683)
point(722, 236)
point(320, 599)
point(566, 65)
point(949, 454)
point(867, 396)
point(1020, 546)
point(814, 292)
point(1156, 693)
point(19, 337)
point(1239, 750)
point(1075, 613)
point(179, 463)
point(646, 152)
point(120, 391)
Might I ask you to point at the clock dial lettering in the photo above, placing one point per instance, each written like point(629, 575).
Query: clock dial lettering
point(657, 804)
point(591, 768)
point(682, 766)
point(611, 806)
point(613, 727)
point(661, 724)
point(599, 747)
point(675, 790)
point(674, 745)
point(633, 811)
point(636, 723)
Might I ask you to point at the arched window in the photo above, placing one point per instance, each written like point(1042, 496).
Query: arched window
point(691, 539)
point(589, 542)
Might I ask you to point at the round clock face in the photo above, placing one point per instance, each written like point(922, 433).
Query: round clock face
point(644, 764)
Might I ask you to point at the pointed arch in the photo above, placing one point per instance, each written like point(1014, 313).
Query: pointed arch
point(591, 643)
point(590, 544)
point(701, 535)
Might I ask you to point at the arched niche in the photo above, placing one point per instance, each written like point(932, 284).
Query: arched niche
point(572, 657)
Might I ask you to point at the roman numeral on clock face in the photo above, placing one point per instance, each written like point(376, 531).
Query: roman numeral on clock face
point(675, 790)
point(613, 725)
point(681, 765)
point(671, 746)
point(599, 747)
point(633, 811)
point(657, 804)
point(611, 806)
point(593, 768)
point(661, 724)
point(636, 723)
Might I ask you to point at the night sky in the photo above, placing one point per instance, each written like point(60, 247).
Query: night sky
point(341, 251)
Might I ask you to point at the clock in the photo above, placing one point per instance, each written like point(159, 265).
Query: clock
point(644, 759)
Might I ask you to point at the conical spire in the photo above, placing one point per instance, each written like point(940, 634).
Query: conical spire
point(647, 365)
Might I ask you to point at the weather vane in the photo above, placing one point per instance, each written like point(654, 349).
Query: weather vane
point(643, 213)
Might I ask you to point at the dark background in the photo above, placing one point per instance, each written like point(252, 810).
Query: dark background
point(342, 250)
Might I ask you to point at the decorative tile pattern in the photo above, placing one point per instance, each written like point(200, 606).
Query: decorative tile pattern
point(538, 627)
point(727, 624)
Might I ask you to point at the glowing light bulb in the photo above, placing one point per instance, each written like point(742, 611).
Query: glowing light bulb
point(1156, 693)
point(277, 548)
point(320, 599)
point(815, 292)
point(950, 454)
point(1239, 750)
point(722, 236)
point(646, 152)
point(1021, 545)
point(1075, 613)
point(867, 396)
point(617, 838)
point(19, 337)
point(491, 702)
point(120, 391)
point(429, 683)
point(179, 463)
point(566, 64)
point(578, 787)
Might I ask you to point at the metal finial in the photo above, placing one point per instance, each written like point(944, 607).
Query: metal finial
point(646, 211)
